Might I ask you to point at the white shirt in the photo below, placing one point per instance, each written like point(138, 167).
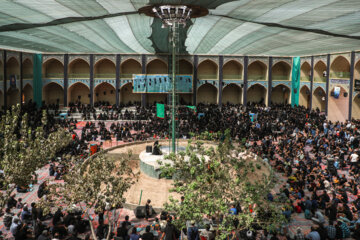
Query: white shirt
point(354, 157)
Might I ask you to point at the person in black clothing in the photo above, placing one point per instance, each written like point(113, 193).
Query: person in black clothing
point(11, 202)
point(58, 216)
point(170, 232)
point(123, 231)
point(147, 235)
point(148, 209)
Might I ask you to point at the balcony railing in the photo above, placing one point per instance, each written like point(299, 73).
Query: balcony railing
point(17, 76)
point(126, 76)
point(106, 75)
point(53, 75)
point(207, 77)
point(232, 77)
point(256, 77)
point(345, 75)
point(28, 76)
point(319, 79)
point(305, 79)
point(280, 77)
point(79, 75)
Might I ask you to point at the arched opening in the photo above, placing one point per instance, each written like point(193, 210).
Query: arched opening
point(356, 107)
point(340, 68)
point(105, 93)
point(339, 107)
point(53, 93)
point(53, 68)
point(152, 98)
point(79, 92)
point(207, 70)
point(281, 71)
point(185, 98)
point(128, 68)
point(13, 68)
point(127, 96)
point(27, 69)
point(232, 93)
point(304, 98)
point(185, 67)
point(256, 94)
point(257, 71)
point(319, 99)
point(27, 93)
point(357, 71)
point(1, 100)
point(320, 72)
point(280, 94)
point(232, 70)
point(13, 96)
point(156, 66)
point(79, 68)
point(105, 69)
point(305, 72)
point(207, 94)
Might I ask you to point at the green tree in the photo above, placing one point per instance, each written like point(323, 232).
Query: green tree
point(212, 179)
point(98, 183)
point(24, 150)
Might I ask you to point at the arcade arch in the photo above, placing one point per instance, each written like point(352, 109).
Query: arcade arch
point(79, 92)
point(105, 92)
point(53, 93)
point(257, 71)
point(281, 71)
point(232, 93)
point(207, 93)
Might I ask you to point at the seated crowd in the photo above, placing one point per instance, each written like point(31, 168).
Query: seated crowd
point(318, 157)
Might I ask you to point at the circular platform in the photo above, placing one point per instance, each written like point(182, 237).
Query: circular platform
point(149, 163)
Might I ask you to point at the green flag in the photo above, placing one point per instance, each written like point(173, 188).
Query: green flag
point(160, 110)
point(295, 80)
point(192, 107)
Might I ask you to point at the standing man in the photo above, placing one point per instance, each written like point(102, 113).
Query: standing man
point(193, 232)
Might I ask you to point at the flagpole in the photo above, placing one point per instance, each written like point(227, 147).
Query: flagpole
point(173, 149)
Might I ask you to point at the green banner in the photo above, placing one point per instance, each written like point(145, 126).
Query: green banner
point(160, 110)
point(295, 81)
point(37, 81)
point(192, 107)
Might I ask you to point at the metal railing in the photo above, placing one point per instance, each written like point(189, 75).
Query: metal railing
point(319, 79)
point(28, 76)
point(126, 76)
point(305, 79)
point(17, 76)
point(207, 77)
point(280, 77)
point(256, 77)
point(79, 75)
point(105, 75)
point(345, 75)
point(232, 77)
point(53, 75)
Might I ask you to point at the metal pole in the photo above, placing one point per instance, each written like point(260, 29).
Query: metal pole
point(173, 88)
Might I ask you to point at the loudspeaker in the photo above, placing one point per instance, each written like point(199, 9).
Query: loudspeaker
point(140, 212)
point(149, 149)
point(345, 94)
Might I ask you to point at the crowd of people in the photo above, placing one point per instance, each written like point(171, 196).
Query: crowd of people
point(319, 158)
